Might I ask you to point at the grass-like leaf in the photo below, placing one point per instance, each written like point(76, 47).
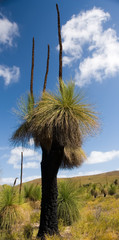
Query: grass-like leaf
point(65, 118)
point(68, 202)
point(9, 213)
point(32, 192)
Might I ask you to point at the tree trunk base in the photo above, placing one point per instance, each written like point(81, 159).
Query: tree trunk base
point(44, 236)
point(50, 164)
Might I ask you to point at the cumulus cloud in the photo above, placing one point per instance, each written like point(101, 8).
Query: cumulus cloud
point(9, 74)
point(99, 157)
point(32, 158)
point(84, 35)
point(8, 31)
point(10, 180)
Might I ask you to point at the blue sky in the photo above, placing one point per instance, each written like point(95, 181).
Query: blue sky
point(90, 36)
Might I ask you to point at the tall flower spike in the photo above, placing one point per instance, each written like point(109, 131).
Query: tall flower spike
point(47, 69)
point(32, 69)
point(60, 46)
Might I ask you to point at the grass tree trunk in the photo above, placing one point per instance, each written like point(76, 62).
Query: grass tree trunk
point(49, 168)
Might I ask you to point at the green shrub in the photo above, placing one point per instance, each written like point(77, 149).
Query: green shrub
point(116, 181)
point(93, 191)
point(32, 192)
point(103, 190)
point(36, 193)
point(8, 196)
point(9, 210)
point(68, 202)
point(28, 190)
point(112, 189)
point(21, 198)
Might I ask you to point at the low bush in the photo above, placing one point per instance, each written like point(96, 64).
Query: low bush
point(112, 189)
point(9, 208)
point(68, 203)
point(93, 191)
point(103, 190)
point(32, 192)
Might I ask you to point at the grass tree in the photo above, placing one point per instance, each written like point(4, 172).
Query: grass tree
point(104, 190)
point(58, 123)
point(32, 192)
point(112, 189)
point(9, 208)
point(68, 199)
point(93, 191)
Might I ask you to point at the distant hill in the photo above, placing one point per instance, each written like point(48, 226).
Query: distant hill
point(102, 178)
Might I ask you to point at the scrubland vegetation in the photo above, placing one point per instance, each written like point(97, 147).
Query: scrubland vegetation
point(86, 211)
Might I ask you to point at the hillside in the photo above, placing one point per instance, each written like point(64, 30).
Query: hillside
point(103, 178)
point(92, 216)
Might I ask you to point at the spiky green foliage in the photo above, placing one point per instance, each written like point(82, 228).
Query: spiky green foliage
point(103, 190)
point(9, 213)
point(65, 118)
point(116, 181)
point(25, 108)
point(112, 189)
point(36, 193)
point(32, 192)
point(93, 191)
point(28, 191)
point(8, 196)
point(68, 202)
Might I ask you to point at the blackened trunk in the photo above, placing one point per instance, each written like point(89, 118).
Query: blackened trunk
point(49, 168)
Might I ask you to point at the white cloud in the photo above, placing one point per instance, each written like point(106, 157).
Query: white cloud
point(99, 157)
point(9, 74)
point(85, 32)
point(8, 31)
point(28, 165)
point(31, 158)
point(10, 180)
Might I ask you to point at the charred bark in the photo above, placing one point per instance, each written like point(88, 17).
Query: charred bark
point(49, 168)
